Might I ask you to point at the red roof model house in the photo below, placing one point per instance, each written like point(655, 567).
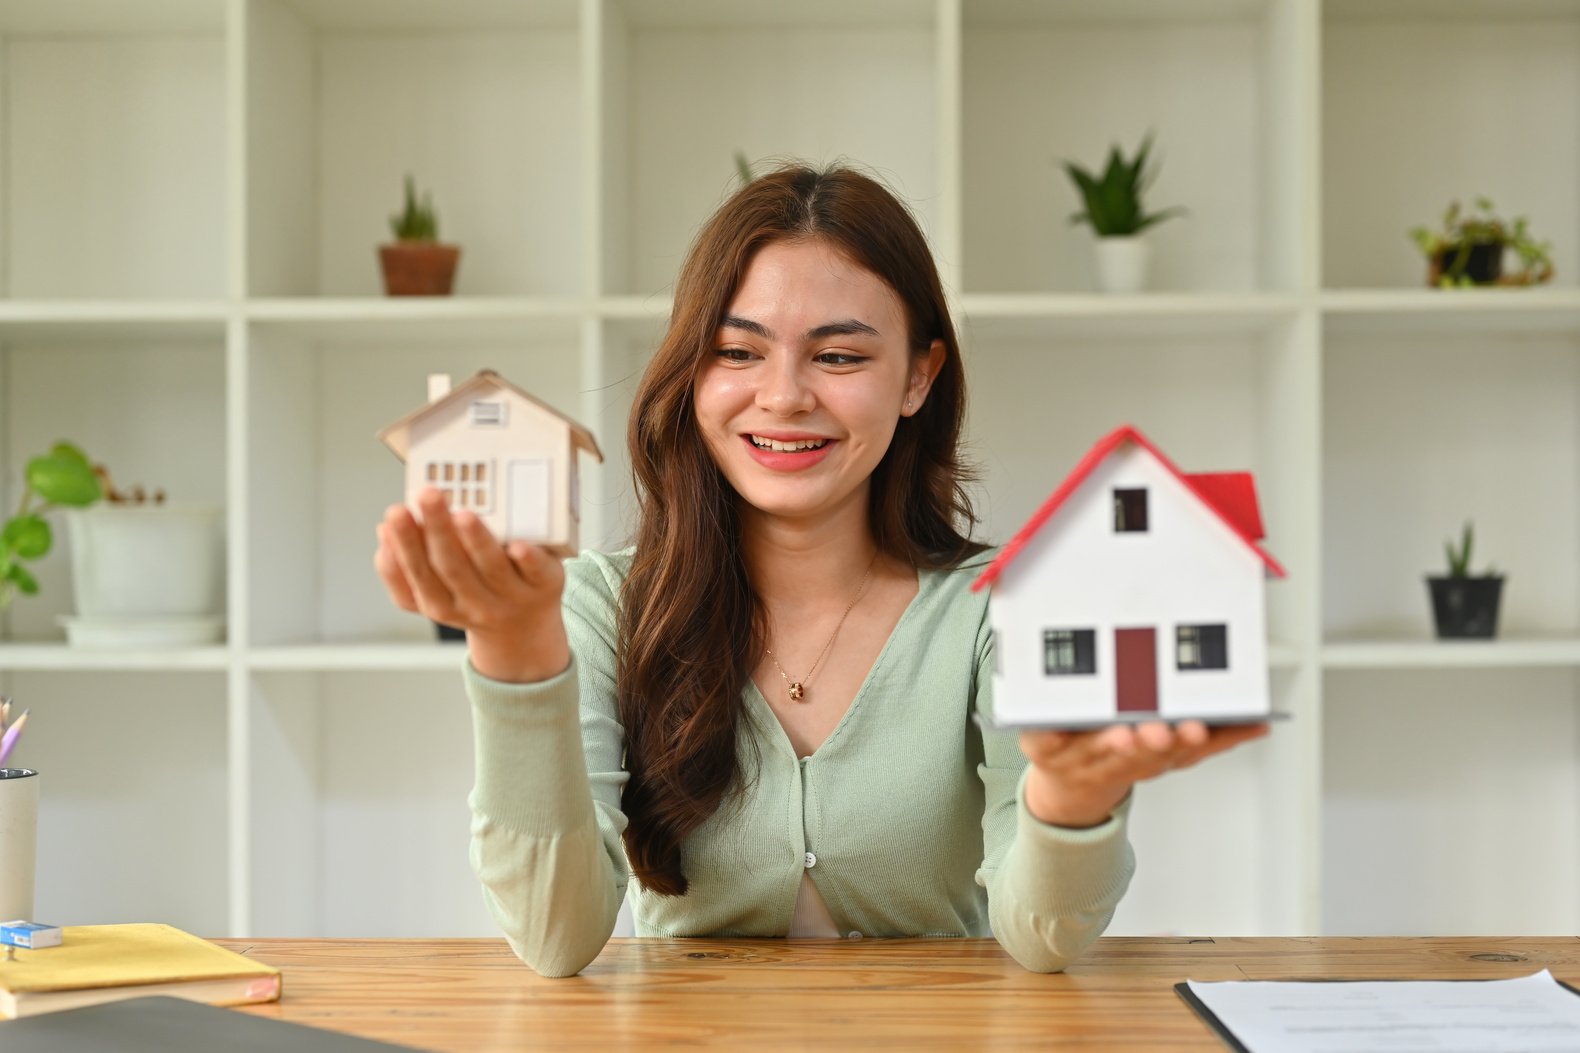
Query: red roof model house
point(1134, 593)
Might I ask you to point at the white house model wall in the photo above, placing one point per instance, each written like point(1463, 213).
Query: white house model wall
point(1078, 572)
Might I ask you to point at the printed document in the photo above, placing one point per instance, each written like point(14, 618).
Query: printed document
point(1532, 1014)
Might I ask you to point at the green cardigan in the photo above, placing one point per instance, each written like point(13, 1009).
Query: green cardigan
point(911, 817)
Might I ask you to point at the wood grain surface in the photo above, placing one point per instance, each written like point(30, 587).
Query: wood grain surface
point(469, 995)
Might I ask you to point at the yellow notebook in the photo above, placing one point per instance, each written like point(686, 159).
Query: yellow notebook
point(105, 963)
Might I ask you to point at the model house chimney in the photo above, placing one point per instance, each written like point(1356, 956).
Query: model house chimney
point(438, 386)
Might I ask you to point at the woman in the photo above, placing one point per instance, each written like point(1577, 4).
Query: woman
point(762, 711)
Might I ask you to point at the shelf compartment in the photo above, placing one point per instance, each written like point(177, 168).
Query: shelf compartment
point(819, 81)
point(151, 410)
point(1420, 434)
point(1437, 779)
point(132, 815)
point(345, 99)
point(358, 805)
point(115, 142)
point(320, 480)
point(1409, 125)
point(1213, 81)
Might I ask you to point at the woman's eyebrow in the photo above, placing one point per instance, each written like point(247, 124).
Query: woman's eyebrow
point(848, 327)
point(747, 325)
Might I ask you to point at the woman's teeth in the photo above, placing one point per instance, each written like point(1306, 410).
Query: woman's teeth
point(786, 447)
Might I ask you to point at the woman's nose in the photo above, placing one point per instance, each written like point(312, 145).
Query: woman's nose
point(785, 391)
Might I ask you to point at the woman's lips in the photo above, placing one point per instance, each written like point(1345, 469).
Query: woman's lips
point(787, 460)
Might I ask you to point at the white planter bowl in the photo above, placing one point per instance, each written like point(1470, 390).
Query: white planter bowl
point(1122, 264)
point(162, 561)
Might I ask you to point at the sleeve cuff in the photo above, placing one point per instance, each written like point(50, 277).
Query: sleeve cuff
point(1113, 826)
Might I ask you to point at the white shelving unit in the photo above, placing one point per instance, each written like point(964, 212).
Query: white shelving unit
point(190, 197)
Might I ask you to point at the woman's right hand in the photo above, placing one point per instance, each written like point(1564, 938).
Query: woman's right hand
point(450, 568)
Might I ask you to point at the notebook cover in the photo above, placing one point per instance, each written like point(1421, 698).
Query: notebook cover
point(173, 1025)
point(120, 955)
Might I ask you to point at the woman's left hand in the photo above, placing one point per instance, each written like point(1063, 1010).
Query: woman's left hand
point(1078, 778)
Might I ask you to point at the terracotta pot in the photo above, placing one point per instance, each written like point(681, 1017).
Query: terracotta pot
point(419, 268)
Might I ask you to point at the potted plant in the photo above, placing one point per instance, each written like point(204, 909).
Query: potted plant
point(1465, 606)
point(1470, 248)
point(417, 264)
point(60, 478)
point(1116, 215)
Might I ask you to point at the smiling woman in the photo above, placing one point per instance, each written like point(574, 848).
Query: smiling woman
point(794, 443)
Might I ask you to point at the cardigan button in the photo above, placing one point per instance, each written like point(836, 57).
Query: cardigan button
point(854, 936)
point(811, 861)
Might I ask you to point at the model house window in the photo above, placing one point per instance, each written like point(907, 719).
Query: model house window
point(465, 484)
point(1067, 652)
point(1130, 511)
point(1202, 646)
point(488, 414)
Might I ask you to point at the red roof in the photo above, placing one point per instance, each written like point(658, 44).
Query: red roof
point(1232, 495)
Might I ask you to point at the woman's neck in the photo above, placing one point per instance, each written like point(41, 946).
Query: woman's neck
point(802, 561)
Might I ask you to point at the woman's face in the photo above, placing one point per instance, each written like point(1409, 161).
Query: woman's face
point(811, 371)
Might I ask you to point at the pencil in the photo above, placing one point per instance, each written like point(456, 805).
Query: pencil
point(9, 739)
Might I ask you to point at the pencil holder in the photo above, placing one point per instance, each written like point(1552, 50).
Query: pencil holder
point(18, 842)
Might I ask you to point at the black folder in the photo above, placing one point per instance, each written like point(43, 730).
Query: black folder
point(172, 1025)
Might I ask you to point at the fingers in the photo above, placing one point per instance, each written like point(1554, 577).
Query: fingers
point(389, 571)
point(446, 552)
point(410, 552)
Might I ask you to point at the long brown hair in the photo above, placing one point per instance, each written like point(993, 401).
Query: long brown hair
point(691, 629)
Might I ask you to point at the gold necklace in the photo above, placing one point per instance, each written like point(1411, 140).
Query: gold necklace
point(798, 687)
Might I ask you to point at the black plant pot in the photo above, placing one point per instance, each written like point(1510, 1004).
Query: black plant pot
point(1483, 263)
point(1466, 608)
point(449, 632)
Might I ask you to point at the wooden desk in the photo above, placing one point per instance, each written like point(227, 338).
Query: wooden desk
point(472, 995)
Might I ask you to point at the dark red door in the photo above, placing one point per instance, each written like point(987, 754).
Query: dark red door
point(1136, 666)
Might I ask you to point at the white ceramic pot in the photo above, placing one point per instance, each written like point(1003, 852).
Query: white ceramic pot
point(18, 842)
point(1122, 264)
point(146, 561)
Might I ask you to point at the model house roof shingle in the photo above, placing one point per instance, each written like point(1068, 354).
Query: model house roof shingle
point(1231, 495)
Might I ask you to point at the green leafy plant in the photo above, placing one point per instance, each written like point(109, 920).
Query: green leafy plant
point(1113, 202)
point(1459, 557)
point(416, 221)
point(1448, 251)
point(743, 168)
point(60, 477)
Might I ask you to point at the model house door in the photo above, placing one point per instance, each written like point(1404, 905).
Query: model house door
point(529, 500)
point(1136, 669)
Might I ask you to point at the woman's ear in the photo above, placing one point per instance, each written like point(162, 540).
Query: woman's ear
point(923, 371)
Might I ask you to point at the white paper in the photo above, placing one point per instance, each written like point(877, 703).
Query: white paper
point(1532, 1014)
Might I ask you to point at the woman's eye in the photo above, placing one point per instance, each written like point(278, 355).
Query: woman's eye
point(840, 358)
point(734, 354)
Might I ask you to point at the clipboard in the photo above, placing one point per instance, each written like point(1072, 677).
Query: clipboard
point(1228, 1038)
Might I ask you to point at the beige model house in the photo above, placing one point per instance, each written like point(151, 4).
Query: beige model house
point(490, 447)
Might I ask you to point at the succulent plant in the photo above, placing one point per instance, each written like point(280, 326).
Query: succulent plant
point(1113, 202)
point(62, 476)
point(417, 221)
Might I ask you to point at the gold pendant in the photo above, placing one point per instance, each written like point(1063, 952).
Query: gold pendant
point(795, 692)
